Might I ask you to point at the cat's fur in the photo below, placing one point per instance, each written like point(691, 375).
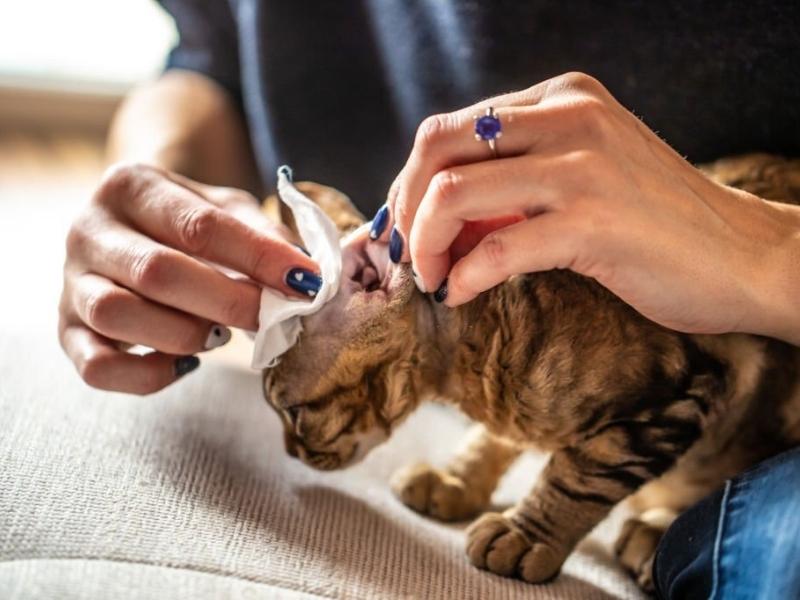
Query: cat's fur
point(551, 361)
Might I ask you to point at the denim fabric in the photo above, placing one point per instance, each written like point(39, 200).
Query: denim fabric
point(741, 542)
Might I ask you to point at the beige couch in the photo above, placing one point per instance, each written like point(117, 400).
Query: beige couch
point(189, 494)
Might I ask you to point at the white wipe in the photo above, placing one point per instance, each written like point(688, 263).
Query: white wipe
point(279, 316)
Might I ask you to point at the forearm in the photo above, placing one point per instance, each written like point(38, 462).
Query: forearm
point(778, 285)
point(185, 123)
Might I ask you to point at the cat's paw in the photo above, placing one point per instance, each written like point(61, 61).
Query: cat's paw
point(436, 493)
point(636, 548)
point(495, 543)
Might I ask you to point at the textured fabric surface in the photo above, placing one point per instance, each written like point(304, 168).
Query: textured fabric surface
point(741, 542)
point(76, 579)
point(190, 492)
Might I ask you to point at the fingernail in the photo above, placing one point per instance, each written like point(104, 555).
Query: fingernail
point(418, 281)
point(185, 364)
point(441, 294)
point(303, 250)
point(218, 336)
point(304, 282)
point(395, 246)
point(379, 222)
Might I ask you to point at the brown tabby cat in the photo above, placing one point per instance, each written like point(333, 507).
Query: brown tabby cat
point(551, 361)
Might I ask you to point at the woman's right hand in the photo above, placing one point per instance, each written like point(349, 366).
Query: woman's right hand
point(138, 272)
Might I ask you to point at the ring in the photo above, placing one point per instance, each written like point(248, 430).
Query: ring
point(488, 129)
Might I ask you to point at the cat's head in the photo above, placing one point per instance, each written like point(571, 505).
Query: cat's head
point(341, 389)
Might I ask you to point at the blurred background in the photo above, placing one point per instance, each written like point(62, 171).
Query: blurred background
point(64, 67)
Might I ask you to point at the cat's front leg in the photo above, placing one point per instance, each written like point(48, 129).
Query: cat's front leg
point(575, 492)
point(531, 540)
point(464, 488)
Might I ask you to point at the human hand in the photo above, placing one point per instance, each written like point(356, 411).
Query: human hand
point(137, 272)
point(582, 184)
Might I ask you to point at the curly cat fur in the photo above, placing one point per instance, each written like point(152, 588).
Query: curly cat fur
point(551, 361)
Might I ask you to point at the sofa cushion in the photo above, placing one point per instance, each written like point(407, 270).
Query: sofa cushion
point(190, 492)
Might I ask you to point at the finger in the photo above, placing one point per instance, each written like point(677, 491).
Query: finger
point(182, 219)
point(170, 278)
point(239, 203)
point(104, 366)
point(508, 189)
point(381, 224)
point(447, 140)
point(119, 314)
point(474, 231)
point(539, 244)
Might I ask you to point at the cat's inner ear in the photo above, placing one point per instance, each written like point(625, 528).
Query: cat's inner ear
point(365, 264)
point(366, 267)
point(333, 203)
point(370, 285)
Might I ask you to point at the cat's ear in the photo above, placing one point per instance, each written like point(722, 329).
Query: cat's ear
point(334, 203)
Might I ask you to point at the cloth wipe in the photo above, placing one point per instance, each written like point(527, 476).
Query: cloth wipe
point(279, 316)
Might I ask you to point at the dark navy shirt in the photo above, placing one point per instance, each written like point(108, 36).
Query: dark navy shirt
point(337, 88)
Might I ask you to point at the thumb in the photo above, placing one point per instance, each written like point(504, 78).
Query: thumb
point(538, 244)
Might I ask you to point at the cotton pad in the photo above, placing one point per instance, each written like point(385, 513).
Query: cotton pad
point(279, 322)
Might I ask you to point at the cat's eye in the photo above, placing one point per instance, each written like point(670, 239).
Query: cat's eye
point(293, 412)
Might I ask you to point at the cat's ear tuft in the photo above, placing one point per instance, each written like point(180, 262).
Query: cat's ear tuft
point(334, 203)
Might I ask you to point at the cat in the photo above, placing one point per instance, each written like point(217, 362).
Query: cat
point(551, 361)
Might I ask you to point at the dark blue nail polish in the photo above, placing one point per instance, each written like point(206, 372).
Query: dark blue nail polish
point(441, 294)
point(185, 364)
point(379, 222)
point(303, 281)
point(303, 250)
point(395, 246)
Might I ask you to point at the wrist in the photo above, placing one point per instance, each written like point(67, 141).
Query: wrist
point(777, 285)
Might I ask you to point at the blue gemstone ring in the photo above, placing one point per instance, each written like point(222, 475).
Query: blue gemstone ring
point(488, 129)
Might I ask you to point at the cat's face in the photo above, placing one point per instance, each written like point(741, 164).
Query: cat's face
point(340, 390)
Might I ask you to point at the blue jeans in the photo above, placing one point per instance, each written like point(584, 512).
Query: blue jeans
point(741, 542)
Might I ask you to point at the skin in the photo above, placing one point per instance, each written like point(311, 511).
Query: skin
point(580, 183)
point(136, 269)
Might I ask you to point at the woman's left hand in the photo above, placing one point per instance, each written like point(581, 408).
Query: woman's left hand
point(580, 183)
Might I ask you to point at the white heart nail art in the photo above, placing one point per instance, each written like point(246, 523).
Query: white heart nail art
point(218, 336)
point(298, 276)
